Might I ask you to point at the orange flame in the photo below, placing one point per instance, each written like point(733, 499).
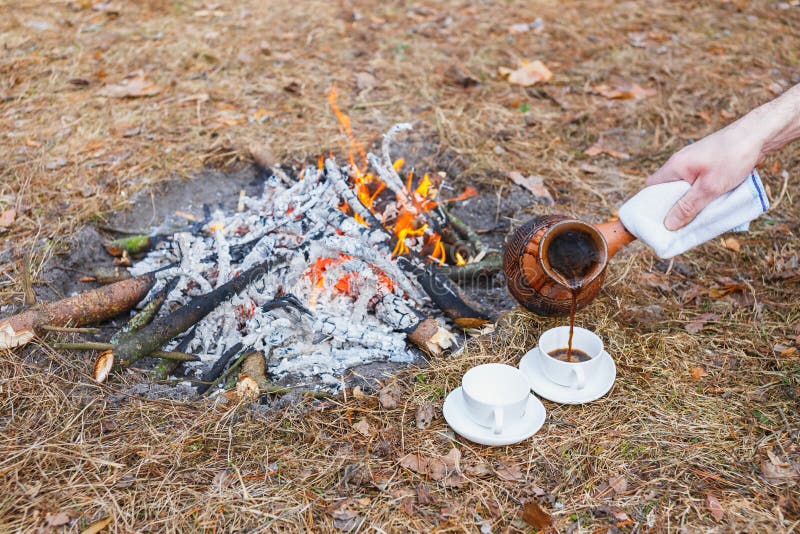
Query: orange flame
point(411, 205)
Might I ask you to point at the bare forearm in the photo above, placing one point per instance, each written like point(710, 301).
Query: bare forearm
point(776, 123)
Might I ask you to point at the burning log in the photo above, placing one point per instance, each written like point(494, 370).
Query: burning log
point(160, 331)
point(438, 288)
point(90, 307)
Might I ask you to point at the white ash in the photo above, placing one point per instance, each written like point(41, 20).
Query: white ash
point(362, 304)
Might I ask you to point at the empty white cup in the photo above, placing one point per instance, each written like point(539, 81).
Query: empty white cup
point(495, 395)
point(571, 374)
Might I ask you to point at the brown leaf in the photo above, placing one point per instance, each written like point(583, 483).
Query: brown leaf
point(424, 496)
point(534, 184)
point(461, 77)
point(437, 469)
point(389, 396)
point(618, 484)
point(425, 415)
point(528, 74)
point(713, 505)
point(624, 91)
point(262, 155)
point(97, 526)
point(363, 427)
point(697, 373)
point(778, 472)
point(365, 81)
point(480, 469)
point(133, 88)
point(533, 514)
point(8, 217)
point(415, 463)
point(731, 243)
point(57, 520)
point(452, 459)
point(599, 148)
point(695, 326)
point(509, 472)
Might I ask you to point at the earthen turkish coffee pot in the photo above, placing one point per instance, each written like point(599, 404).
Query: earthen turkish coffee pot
point(530, 278)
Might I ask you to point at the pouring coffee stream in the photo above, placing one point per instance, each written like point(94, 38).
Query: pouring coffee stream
point(555, 265)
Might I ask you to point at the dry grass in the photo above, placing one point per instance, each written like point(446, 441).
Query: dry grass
point(71, 157)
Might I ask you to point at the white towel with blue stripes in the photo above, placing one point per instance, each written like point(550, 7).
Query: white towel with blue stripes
point(643, 215)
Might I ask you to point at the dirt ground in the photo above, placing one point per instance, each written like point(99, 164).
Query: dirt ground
point(101, 101)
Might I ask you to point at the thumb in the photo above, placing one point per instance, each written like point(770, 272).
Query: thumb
point(688, 206)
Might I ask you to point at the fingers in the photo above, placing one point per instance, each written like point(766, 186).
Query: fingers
point(688, 206)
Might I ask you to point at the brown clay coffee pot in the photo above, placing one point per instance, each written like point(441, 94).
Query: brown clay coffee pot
point(531, 279)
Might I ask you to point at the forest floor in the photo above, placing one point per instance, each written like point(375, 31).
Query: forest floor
point(101, 101)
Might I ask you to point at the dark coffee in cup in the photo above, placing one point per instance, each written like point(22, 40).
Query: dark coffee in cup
point(567, 355)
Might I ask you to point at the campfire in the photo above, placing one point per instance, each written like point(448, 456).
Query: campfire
point(341, 265)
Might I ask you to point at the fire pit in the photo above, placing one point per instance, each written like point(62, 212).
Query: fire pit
point(352, 251)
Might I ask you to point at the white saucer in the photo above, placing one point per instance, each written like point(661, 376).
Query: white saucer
point(595, 388)
point(454, 411)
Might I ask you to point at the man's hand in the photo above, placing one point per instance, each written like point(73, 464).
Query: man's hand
point(720, 162)
point(714, 165)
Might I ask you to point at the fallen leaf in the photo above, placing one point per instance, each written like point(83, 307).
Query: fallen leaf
point(363, 427)
point(452, 459)
point(731, 243)
point(777, 471)
point(785, 351)
point(618, 484)
point(599, 148)
point(365, 81)
point(459, 76)
point(624, 91)
point(528, 74)
point(533, 514)
point(480, 469)
point(425, 415)
point(424, 496)
point(509, 472)
point(697, 373)
point(262, 155)
point(57, 520)
point(8, 217)
point(713, 505)
point(534, 184)
point(133, 88)
point(389, 396)
point(97, 526)
point(588, 168)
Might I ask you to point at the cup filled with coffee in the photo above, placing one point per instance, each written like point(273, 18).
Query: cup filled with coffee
point(570, 360)
point(495, 395)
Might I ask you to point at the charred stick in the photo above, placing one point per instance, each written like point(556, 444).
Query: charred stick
point(160, 331)
point(211, 376)
point(145, 315)
point(93, 345)
point(89, 307)
point(164, 368)
point(488, 266)
point(473, 240)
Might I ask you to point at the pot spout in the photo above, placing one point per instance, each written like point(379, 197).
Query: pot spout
point(615, 234)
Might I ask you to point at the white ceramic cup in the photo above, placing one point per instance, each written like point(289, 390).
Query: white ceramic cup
point(495, 394)
point(571, 374)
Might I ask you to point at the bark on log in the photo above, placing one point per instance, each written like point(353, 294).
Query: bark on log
point(90, 307)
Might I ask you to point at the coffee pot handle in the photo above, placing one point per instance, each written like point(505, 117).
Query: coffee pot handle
point(580, 377)
point(498, 420)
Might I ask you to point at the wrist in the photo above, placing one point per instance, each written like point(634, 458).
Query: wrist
point(776, 123)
